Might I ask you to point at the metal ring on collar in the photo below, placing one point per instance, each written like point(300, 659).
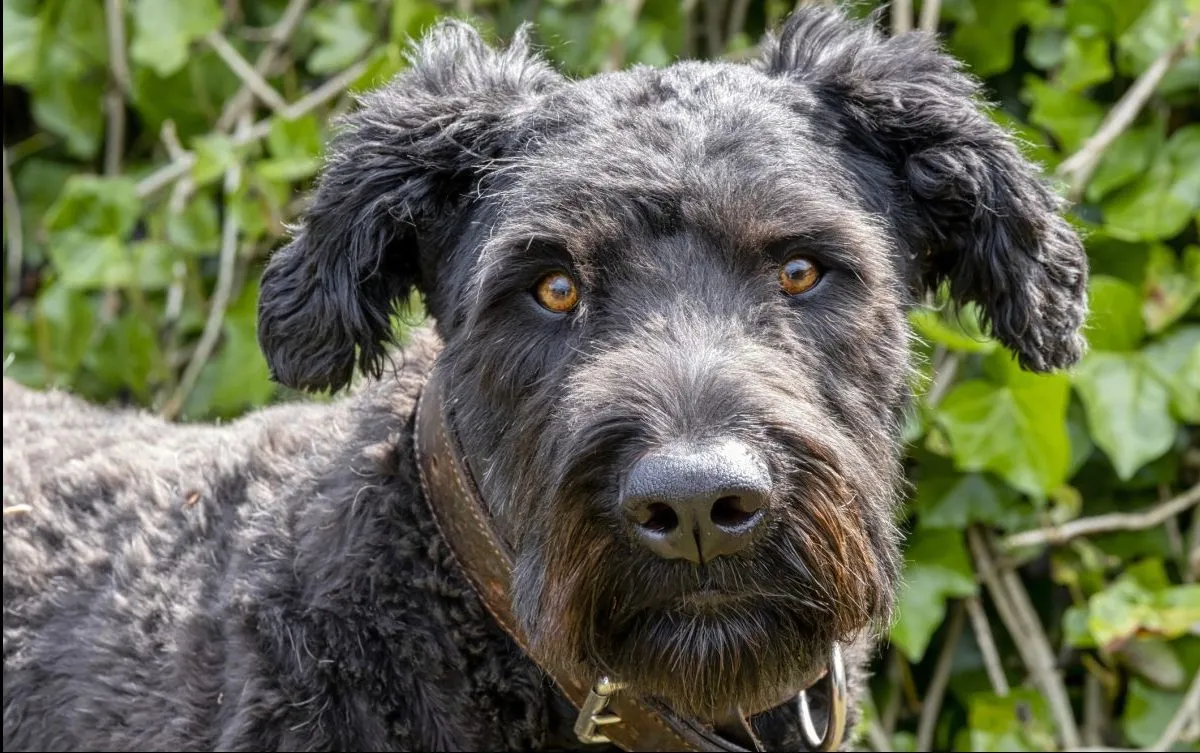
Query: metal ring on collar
point(835, 725)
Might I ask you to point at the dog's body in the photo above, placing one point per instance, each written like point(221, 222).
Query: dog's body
point(673, 307)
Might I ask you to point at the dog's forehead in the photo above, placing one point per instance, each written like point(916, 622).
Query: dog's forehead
point(718, 148)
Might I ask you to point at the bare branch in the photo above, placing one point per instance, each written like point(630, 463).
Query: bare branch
point(14, 235)
point(279, 35)
point(165, 175)
point(1078, 168)
point(1117, 521)
point(737, 19)
point(616, 53)
point(1012, 602)
point(1188, 711)
point(221, 295)
point(251, 78)
point(943, 379)
point(932, 705)
point(930, 14)
point(987, 646)
point(114, 98)
point(902, 16)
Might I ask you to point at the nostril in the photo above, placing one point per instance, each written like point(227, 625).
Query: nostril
point(732, 512)
point(659, 518)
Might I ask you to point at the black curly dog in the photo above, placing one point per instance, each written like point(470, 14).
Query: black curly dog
point(672, 304)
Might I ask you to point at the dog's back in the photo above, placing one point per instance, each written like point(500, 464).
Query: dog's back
point(119, 533)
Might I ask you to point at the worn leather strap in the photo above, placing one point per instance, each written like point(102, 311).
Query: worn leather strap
point(463, 521)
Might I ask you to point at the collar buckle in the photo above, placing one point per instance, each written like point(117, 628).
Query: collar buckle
point(592, 714)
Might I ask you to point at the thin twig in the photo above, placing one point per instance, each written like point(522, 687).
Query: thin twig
point(987, 646)
point(891, 712)
point(279, 36)
point(221, 295)
point(14, 234)
point(1192, 571)
point(737, 19)
point(1012, 603)
point(114, 98)
point(165, 175)
point(1094, 711)
point(1188, 711)
point(943, 379)
point(1117, 521)
point(932, 705)
point(1077, 169)
point(902, 16)
point(878, 738)
point(616, 53)
point(712, 27)
point(930, 14)
point(251, 78)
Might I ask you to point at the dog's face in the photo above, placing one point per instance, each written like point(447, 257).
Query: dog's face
point(674, 310)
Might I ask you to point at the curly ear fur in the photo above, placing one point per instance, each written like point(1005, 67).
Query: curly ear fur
point(403, 162)
point(969, 208)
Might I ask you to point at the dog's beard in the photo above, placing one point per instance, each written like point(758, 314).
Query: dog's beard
point(741, 631)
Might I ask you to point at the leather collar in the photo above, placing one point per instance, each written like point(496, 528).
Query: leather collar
point(607, 715)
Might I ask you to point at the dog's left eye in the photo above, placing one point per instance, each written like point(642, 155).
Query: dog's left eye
point(557, 292)
point(797, 275)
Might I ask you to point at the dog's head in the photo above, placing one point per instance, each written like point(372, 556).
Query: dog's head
point(674, 303)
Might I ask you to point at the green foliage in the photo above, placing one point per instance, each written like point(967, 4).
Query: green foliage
point(137, 222)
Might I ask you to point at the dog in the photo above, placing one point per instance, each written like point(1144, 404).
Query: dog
point(671, 338)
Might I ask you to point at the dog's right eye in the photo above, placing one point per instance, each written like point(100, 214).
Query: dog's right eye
point(797, 275)
point(557, 292)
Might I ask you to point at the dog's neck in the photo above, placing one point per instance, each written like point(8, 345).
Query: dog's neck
point(606, 715)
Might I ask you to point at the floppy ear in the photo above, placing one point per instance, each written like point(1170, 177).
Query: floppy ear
point(967, 206)
point(398, 171)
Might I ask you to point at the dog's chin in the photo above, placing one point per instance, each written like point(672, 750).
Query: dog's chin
point(708, 655)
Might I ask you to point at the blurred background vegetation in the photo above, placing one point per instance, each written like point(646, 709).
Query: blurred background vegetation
point(155, 150)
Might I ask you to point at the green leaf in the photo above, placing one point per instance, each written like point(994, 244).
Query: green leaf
point(343, 34)
point(1016, 430)
point(1085, 63)
point(91, 262)
point(1128, 409)
point(92, 205)
point(236, 378)
point(1175, 361)
point(1069, 117)
point(1019, 721)
point(959, 331)
point(1163, 200)
point(1147, 712)
point(128, 356)
point(1127, 158)
point(410, 19)
point(215, 154)
point(1115, 319)
point(936, 568)
point(957, 500)
point(1156, 30)
point(1141, 602)
point(1156, 661)
point(64, 323)
point(196, 228)
point(1107, 18)
point(986, 43)
point(163, 31)
point(22, 41)
point(70, 108)
point(1171, 288)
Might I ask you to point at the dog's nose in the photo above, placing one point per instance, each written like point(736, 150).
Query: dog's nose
point(697, 503)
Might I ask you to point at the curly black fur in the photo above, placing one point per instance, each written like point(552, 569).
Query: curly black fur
point(278, 583)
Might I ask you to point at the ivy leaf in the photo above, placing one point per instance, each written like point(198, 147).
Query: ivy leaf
point(237, 378)
point(22, 41)
point(1069, 117)
point(1019, 721)
point(1128, 409)
point(1115, 319)
point(1147, 712)
point(936, 568)
point(952, 500)
point(1016, 430)
point(63, 322)
point(1162, 202)
point(1127, 158)
point(986, 42)
point(1085, 62)
point(1171, 287)
point(163, 30)
point(1141, 602)
point(959, 331)
point(196, 228)
point(89, 262)
point(1107, 18)
point(128, 356)
point(1175, 361)
point(343, 31)
point(92, 205)
point(69, 107)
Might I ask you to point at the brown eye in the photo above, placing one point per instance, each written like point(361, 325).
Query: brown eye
point(798, 275)
point(557, 292)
